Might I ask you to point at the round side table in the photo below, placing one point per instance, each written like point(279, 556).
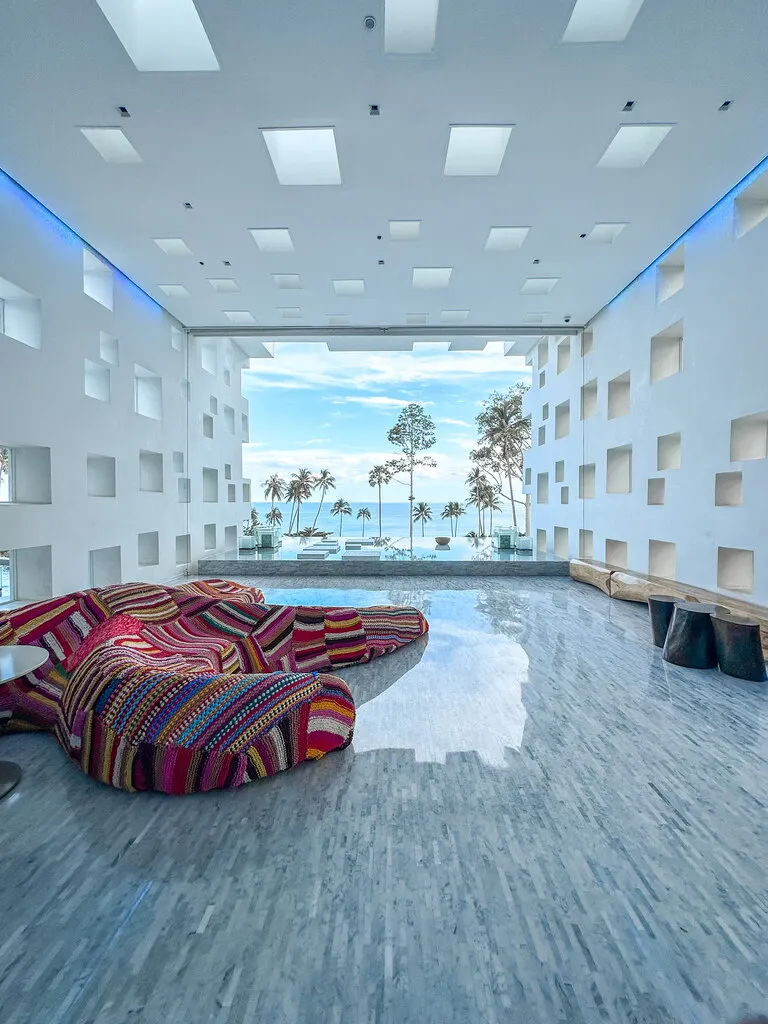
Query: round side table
point(16, 661)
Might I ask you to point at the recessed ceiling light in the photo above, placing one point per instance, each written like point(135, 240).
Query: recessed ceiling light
point(538, 285)
point(629, 105)
point(533, 318)
point(287, 280)
point(725, 105)
point(500, 239)
point(416, 319)
point(410, 26)
point(454, 316)
point(476, 149)
point(273, 239)
point(404, 230)
point(338, 319)
point(112, 145)
point(173, 246)
point(432, 277)
point(604, 234)
point(240, 317)
point(303, 156)
point(176, 291)
point(223, 284)
point(349, 287)
point(601, 21)
point(633, 145)
point(290, 313)
point(167, 36)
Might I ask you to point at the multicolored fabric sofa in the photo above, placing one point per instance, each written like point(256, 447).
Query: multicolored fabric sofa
point(191, 688)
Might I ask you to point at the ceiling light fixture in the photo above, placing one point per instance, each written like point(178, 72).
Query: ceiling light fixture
point(725, 105)
point(604, 234)
point(404, 230)
point(287, 280)
point(240, 317)
point(123, 112)
point(338, 319)
point(601, 21)
point(410, 26)
point(348, 287)
point(303, 156)
point(633, 145)
point(167, 36)
point(416, 319)
point(272, 239)
point(112, 145)
point(223, 284)
point(187, 206)
point(538, 285)
point(629, 105)
point(476, 149)
point(373, 110)
point(432, 277)
point(454, 316)
point(505, 239)
point(175, 291)
point(173, 246)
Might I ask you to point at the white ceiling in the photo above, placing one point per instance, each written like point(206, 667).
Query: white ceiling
point(298, 64)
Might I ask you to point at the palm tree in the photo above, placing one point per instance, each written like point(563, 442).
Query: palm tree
point(476, 480)
point(453, 511)
point(274, 488)
point(379, 475)
point(304, 485)
point(365, 515)
point(274, 517)
point(341, 508)
point(490, 499)
point(323, 482)
point(292, 495)
point(422, 513)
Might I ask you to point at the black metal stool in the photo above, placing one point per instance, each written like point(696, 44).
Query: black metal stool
point(739, 650)
point(691, 637)
point(661, 607)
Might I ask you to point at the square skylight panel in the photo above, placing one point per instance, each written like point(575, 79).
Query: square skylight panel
point(633, 145)
point(468, 345)
point(349, 287)
point(173, 246)
point(410, 26)
point(291, 313)
point(454, 316)
point(416, 319)
point(601, 21)
point(223, 284)
point(476, 149)
point(240, 317)
point(338, 319)
point(303, 156)
point(505, 239)
point(112, 145)
point(539, 285)
point(287, 280)
point(604, 234)
point(432, 277)
point(176, 291)
point(404, 230)
point(273, 239)
point(161, 36)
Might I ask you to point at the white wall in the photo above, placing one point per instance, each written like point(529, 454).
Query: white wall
point(43, 405)
point(723, 376)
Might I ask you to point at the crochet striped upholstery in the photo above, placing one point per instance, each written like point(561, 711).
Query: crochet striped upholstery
point(185, 689)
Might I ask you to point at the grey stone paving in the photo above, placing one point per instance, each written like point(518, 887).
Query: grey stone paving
point(538, 821)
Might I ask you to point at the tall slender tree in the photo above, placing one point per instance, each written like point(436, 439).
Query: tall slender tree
point(364, 514)
point(453, 512)
point(274, 517)
point(292, 494)
point(476, 480)
point(304, 484)
point(422, 513)
point(413, 434)
point(324, 481)
point(341, 508)
point(504, 435)
point(377, 477)
point(274, 488)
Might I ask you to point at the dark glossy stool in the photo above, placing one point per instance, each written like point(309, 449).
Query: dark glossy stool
point(691, 637)
point(739, 651)
point(661, 607)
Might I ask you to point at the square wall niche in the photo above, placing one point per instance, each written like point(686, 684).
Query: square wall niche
point(542, 488)
point(751, 206)
point(528, 476)
point(97, 381)
point(247, 492)
point(542, 439)
point(30, 476)
point(183, 487)
point(562, 420)
point(749, 437)
point(541, 540)
point(736, 569)
point(210, 484)
point(662, 559)
point(151, 471)
point(657, 490)
point(148, 393)
point(231, 492)
point(542, 378)
point(229, 419)
point(564, 495)
point(586, 544)
point(618, 396)
point(545, 411)
point(618, 478)
point(209, 356)
point(101, 476)
point(616, 553)
point(667, 352)
point(542, 353)
point(563, 355)
point(559, 472)
point(729, 489)
point(227, 470)
point(98, 283)
point(149, 548)
point(589, 399)
point(213, 405)
point(109, 348)
point(228, 378)
point(587, 481)
point(587, 343)
point(209, 536)
point(20, 315)
point(105, 566)
point(668, 452)
point(185, 390)
point(178, 462)
point(670, 275)
point(207, 425)
point(244, 424)
point(230, 538)
point(183, 549)
point(561, 541)
point(32, 573)
point(177, 339)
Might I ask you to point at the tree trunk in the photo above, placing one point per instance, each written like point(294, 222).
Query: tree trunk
point(363, 521)
point(422, 527)
point(379, 509)
point(512, 498)
point(319, 508)
point(410, 508)
point(298, 516)
point(341, 523)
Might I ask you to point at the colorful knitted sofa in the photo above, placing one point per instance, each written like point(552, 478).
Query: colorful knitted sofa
point(190, 688)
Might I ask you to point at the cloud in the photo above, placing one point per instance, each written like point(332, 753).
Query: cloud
point(457, 423)
point(318, 440)
point(376, 400)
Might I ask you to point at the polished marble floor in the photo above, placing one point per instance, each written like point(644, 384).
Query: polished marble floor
point(539, 821)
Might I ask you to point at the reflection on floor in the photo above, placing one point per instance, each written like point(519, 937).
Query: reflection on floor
point(538, 821)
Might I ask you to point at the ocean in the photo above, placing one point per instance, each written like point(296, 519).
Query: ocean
point(394, 518)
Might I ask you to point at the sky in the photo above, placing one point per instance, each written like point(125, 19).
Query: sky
point(332, 410)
